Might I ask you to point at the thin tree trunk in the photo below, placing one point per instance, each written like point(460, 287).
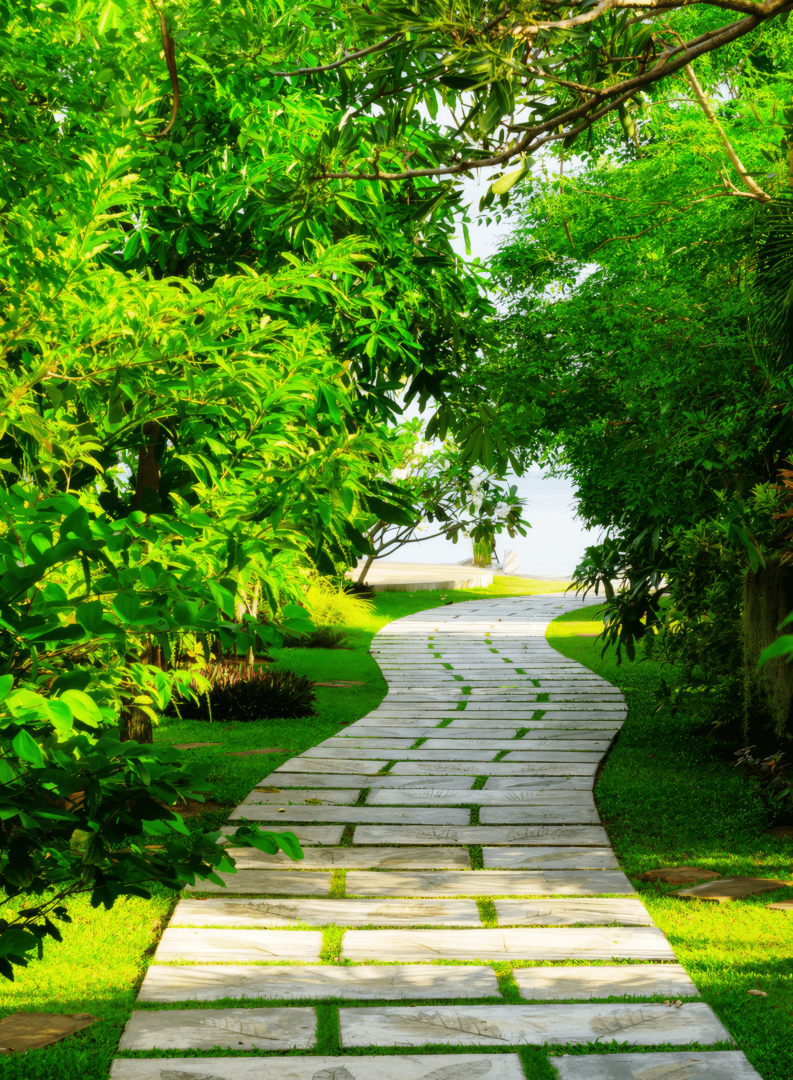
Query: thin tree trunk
point(768, 691)
point(366, 568)
point(148, 465)
point(136, 725)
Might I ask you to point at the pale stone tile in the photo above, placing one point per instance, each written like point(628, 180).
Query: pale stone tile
point(246, 945)
point(543, 836)
point(302, 797)
point(490, 883)
point(551, 813)
point(622, 980)
point(680, 1065)
point(324, 765)
point(591, 912)
point(362, 754)
point(505, 943)
point(538, 783)
point(349, 815)
point(266, 882)
point(593, 746)
point(308, 835)
point(562, 754)
point(362, 858)
point(535, 1025)
point(398, 1067)
point(229, 1029)
point(325, 912)
point(397, 982)
point(548, 858)
point(384, 780)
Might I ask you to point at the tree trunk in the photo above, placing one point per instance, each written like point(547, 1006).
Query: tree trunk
point(768, 691)
point(136, 725)
point(148, 465)
point(367, 566)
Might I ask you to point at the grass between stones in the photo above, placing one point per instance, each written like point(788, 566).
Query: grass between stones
point(669, 794)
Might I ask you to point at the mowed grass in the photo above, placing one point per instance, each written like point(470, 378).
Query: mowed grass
point(668, 795)
point(98, 967)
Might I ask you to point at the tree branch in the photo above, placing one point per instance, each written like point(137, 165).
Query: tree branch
point(348, 59)
point(756, 191)
point(169, 48)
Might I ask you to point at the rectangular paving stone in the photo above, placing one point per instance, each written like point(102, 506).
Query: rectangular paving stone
point(324, 912)
point(300, 780)
point(227, 945)
point(591, 912)
point(499, 768)
point(550, 813)
point(684, 1065)
point(261, 881)
point(506, 943)
point(360, 753)
point(536, 1025)
point(303, 797)
point(620, 980)
point(362, 858)
point(602, 728)
point(593, 712)
point(324, 765)
point(229, 1029)
point(544, 836)
point(489, 883)
point(549, 858)
point(351, 815)
point(538, 783)
point(396, 982)
point(381, 1067)
point(406, 732)
point(569, 756)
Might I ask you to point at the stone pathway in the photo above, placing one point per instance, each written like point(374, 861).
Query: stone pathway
point(457, 882)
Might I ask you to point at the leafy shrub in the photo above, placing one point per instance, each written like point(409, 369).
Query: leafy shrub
point(359, 588)
point(325, 637)
point(245, 694)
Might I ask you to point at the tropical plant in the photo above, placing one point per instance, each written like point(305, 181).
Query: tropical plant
point(236, 693)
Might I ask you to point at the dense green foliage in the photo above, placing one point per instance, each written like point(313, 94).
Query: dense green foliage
point(648, 357)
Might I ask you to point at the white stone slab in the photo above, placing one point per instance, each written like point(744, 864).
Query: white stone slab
point(295, 783)
point(538, 783)
point(324, 912)
point(549, 858)
point(308, 835)
point(362, 858)
point(499, 768)
point(544, 836)
point(621, 980)
point(225, 946)
point(490, 883)
point(385, 780)
point(593, 911)
point(281, 883)
point(579, 728)
point(593, 712)
point(570, 756)
point(227, 1029)
point(669, 1065)
point(551, 814)
point(361, 753)
point(505, 943)
point(303, 797)
point(536, 1025)
point(398, 1067)
point(351, 815)
point(395, 982)
point(324, 765)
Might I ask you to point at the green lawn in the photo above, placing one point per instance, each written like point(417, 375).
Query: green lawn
point(99, 965)
point(668, 794)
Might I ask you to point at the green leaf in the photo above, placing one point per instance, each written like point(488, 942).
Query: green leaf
point(126, 606)
point(90, 615)
point(26, 748)
point(83, 707)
